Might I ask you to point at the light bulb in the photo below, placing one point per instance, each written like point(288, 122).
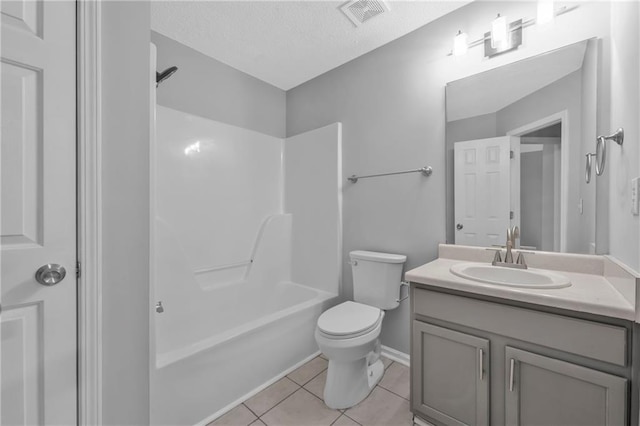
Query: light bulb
point(546, 12)
point(460, 44)
point(499, 32)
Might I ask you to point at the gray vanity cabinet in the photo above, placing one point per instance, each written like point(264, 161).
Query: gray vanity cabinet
point(547, 391)
point(548, 369)
point(454, 379)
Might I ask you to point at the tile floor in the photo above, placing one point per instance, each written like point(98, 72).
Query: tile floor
point(296, 400)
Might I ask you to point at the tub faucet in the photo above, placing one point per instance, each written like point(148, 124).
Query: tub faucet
point(159, 308)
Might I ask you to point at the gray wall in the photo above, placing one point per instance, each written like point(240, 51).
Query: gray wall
point(391, 104)
point(125, 214)
point(206, 87)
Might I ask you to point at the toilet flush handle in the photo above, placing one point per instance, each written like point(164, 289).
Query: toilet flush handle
point(403, 283)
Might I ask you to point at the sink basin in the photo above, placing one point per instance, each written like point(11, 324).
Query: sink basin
point(498, 275)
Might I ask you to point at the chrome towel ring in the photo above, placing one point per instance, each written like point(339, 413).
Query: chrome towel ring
point(601, 149)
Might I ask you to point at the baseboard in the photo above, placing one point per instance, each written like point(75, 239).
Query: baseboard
point(394, 355)
point(253, 392)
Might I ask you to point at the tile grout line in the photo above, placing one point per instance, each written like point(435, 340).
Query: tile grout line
point(316, 396)
point(307, 382)
point(389, 390)
point(321, 399)
point(383, 387)
point(250, 410)
point(336, 409)
point(300, 387)
point(311, 379)
point(334, 422)
point(287, 397)
point(283, 400)
point(345, 414)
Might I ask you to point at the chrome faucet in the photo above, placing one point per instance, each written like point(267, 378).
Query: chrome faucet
point(513, 233)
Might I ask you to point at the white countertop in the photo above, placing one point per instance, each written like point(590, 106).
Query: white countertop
point(589, 292)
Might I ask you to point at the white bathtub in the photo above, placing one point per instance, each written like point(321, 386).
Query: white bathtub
point(222, 265)
point(195, 383)
point(220, 338)
point(228, 313)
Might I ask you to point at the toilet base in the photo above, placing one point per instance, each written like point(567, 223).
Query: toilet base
point(348, 383)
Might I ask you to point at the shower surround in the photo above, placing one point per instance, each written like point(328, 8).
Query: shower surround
point(246, 249)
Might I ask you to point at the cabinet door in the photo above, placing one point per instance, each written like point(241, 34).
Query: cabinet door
point(545, 391)
point(450, 377)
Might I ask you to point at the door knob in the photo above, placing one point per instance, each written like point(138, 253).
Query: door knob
point(50, 274)
point(459, 226)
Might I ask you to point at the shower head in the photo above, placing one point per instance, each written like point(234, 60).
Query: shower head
point(162, 76)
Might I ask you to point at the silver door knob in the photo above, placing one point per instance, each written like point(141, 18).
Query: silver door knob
point(50, 274)
point(459, 226)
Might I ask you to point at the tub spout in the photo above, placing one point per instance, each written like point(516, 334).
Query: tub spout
point(159, 308)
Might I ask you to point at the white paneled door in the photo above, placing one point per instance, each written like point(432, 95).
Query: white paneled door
point(483, 190)
point(38, 212)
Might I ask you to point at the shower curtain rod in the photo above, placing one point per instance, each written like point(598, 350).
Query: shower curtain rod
point(426, 171)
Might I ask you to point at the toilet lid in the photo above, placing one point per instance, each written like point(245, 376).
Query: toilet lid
point(349, 318)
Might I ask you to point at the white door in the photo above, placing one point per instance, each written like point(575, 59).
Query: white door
point(38, 212)
point(482, 176)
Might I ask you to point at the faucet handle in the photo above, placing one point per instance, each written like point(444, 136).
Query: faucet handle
point(521, 260)
point(497, 258)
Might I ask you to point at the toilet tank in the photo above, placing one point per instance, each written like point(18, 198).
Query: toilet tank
point(376, 278)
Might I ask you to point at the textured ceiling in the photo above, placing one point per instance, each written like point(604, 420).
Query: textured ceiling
point(286, 43)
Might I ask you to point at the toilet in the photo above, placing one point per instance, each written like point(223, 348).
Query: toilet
point(347, 334)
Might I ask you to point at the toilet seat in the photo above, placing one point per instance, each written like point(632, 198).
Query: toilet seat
point(348, 320)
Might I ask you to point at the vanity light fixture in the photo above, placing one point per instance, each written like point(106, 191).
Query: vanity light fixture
point(460, 44)
point(499, 33)
point(546, 12)
point(505, 36)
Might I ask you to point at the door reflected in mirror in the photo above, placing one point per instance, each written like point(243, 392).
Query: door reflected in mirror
point(516, 139)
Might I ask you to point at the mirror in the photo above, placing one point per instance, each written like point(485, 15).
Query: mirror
point(516, 142)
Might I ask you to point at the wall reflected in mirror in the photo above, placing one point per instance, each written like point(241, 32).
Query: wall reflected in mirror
point(516, 139)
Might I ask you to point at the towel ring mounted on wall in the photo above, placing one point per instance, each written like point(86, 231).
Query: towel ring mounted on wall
point(601, 149)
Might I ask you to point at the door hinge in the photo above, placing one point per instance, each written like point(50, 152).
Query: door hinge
point(511, 215)
point(512, 155)
point(77, 270)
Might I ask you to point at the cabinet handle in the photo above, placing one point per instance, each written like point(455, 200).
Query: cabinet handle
point(481, 361)
point(511, 368)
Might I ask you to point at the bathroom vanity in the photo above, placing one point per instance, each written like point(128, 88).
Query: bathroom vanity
point(506, 354)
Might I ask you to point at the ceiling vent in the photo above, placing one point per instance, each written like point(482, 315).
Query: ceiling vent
point(360, 11)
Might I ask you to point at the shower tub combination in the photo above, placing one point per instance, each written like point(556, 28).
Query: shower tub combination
point(241, 283)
